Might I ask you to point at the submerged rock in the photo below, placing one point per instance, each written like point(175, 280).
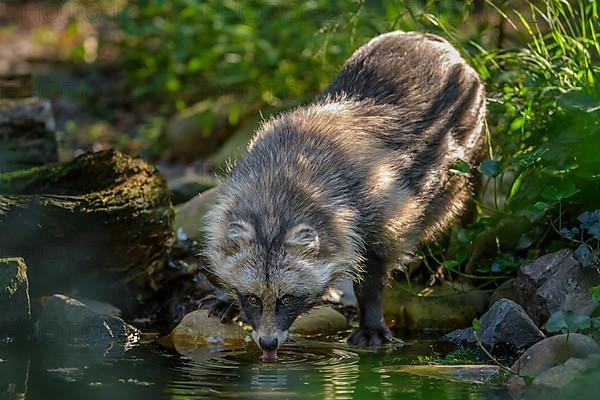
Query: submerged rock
point(505, 324)
point(66, 320)
point(439, 308)
point(14, 291)
point(320, 320)
point(454, 373)
point(556, 361)
point(555, 282)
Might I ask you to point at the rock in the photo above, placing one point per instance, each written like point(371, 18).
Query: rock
point(202, 337)
point(454, 373)
point(198, 329)
point(320, 320)
point(16, 86)
point(100, 307)
point(556, 361)
point(98, 224)
point(27, 134)
point(505, 324)
point(15, 371)
point(186, 187)
point(14, 291)
point(189, 217)
point(66, 320)
point(201, 129)
point(187, 180)
point(507, 290)
point(555, 282)
point(439, 308)
point(561, 375)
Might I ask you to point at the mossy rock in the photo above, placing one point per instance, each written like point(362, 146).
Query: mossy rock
point(100, 221)
point(437, 309)
point(14, 291)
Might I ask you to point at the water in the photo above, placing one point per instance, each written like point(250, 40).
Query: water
point(306, 370)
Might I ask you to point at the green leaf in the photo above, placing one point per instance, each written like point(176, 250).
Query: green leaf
point(476, 324)
point(567, 321)
point(460, 167)
point(595, 294)
point(517, 124)
point(565, 191)
point(490, 168)
point(514, 189)
point(450, 265)
point(577, 100)
point(528, 379)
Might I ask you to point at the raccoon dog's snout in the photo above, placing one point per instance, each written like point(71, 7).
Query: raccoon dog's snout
point(268, 342)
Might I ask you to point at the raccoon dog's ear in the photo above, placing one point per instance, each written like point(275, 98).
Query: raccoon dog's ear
point(303, 238)
point(239, 233)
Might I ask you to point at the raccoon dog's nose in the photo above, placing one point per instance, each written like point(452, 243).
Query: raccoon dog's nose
point(268, 343)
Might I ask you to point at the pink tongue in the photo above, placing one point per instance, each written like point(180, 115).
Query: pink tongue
point(269, 355)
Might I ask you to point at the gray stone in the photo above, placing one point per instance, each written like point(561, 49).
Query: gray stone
point(27, 134)
point(67, 320)
point(555, 282)
point(555, 361)
point(507, 290)
point(189, 216)
point(505, 323)
point(320, 320)
point(14, 291)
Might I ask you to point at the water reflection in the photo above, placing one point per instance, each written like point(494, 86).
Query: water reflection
point(299, 370)
point(306, 370)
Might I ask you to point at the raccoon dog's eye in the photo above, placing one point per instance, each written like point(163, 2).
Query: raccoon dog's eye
point(287, 300)
point(252, 300)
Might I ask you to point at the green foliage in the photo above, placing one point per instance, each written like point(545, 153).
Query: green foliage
point(267, 52)
point(567, 322)
point(595, 294)
point(459, 356)
point(544, 123)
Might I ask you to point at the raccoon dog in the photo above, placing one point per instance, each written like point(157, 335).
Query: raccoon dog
point(348, 184)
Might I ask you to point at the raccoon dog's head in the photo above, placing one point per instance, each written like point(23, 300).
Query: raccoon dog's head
point(275, 279)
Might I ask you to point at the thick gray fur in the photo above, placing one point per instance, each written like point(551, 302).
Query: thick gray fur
point(358, 177)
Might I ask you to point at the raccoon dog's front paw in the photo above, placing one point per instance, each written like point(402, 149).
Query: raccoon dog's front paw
point(220, 305)
point(372, 337)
